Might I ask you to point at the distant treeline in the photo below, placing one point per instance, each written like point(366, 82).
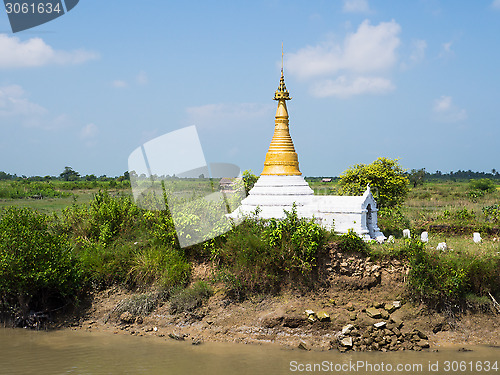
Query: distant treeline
point(462, 175)
point(422, 174)
point(67, 175)
point(71, 175)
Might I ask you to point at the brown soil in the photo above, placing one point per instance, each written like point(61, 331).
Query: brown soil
point(354, 284)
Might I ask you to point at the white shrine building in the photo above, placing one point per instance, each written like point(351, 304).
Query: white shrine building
point(281, 186)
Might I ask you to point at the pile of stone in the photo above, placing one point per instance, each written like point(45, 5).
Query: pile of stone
point(353, 265)
point(384, 334)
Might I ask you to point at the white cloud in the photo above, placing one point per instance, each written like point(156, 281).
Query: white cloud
point(89, 131)
point(14, 102)
point(495, 4)
point(369, 50)
point(119, 84)
point(33, 52)
point(345, 87)
point(446, 50)
point(356, 6)
point(446, 111)
point(16, 108)
point(225, 114)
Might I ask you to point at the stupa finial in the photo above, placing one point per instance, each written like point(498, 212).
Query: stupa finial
point(281, 158)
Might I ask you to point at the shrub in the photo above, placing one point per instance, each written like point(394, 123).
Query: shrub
point(351, 242)
point(35, 259)
point(392, 220)
point(249, 179)
point(166, 267)
point(483, 184)
point(189, 299)
point(262, 255)
point(103, 219)
point(444, 279)
point(141, 304)
point(492, 213)
point(386, 178)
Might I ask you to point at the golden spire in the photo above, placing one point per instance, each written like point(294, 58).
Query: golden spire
point(281, 158)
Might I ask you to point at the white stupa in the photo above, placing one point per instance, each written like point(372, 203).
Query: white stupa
point(281, 186)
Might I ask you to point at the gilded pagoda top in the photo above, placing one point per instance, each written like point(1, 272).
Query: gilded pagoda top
point(282, 92)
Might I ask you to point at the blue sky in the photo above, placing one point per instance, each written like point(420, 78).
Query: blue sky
point(419, 81)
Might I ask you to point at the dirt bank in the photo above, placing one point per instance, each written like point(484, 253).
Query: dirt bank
point(360, 307)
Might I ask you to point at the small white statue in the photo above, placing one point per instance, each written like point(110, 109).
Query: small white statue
point(477, 237)
point(424, 237)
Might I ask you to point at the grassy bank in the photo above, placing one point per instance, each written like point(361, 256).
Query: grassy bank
point(49, 259)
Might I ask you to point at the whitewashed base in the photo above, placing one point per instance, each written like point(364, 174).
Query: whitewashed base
point(273, 195)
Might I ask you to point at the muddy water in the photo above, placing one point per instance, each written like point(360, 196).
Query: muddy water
point(69, 352)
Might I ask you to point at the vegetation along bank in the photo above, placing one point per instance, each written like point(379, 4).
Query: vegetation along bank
point(85, 256)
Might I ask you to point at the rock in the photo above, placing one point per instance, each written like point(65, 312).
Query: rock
point(302, 345)
point(346, 342)
point(309, 312)
point(380, 325)
point(323, 316)
point(421, 335)
point(424, 344)
point(406, 233)
point(347, 329)
point(353, 316)
point(349, 306)
point(374, 313)
point(127, 318)
point(176, 337)
point(396, 304)
point(139, 320)
point(442, 246)
point(390, 308)
point(384, 314)
point(196, 342)
point(391, 239)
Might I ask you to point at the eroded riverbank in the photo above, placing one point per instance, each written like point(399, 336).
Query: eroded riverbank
point(348, 301)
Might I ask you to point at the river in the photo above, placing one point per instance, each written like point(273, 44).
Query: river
point(90, 353)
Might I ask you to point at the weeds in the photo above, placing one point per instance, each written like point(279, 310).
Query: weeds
point(189, 299)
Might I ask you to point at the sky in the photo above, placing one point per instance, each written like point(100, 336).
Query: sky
point(414, 80)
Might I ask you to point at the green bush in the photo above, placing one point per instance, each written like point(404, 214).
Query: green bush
point(392, 220)
point(102, 265)
point(492, 213)
point(103, 219)
point(351, 242)
point(35, 259)
point(166, 267)
point(263, 255)
point(189, 299)
point(386, 177)
point(482, 184)
point(444, 278)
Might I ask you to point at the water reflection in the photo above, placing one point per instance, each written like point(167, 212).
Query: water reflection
point(69, 352)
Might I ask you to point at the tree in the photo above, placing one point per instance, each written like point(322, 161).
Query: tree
point(69, 174)
point(385, 176)
point(249, 180)
point(417, 177)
